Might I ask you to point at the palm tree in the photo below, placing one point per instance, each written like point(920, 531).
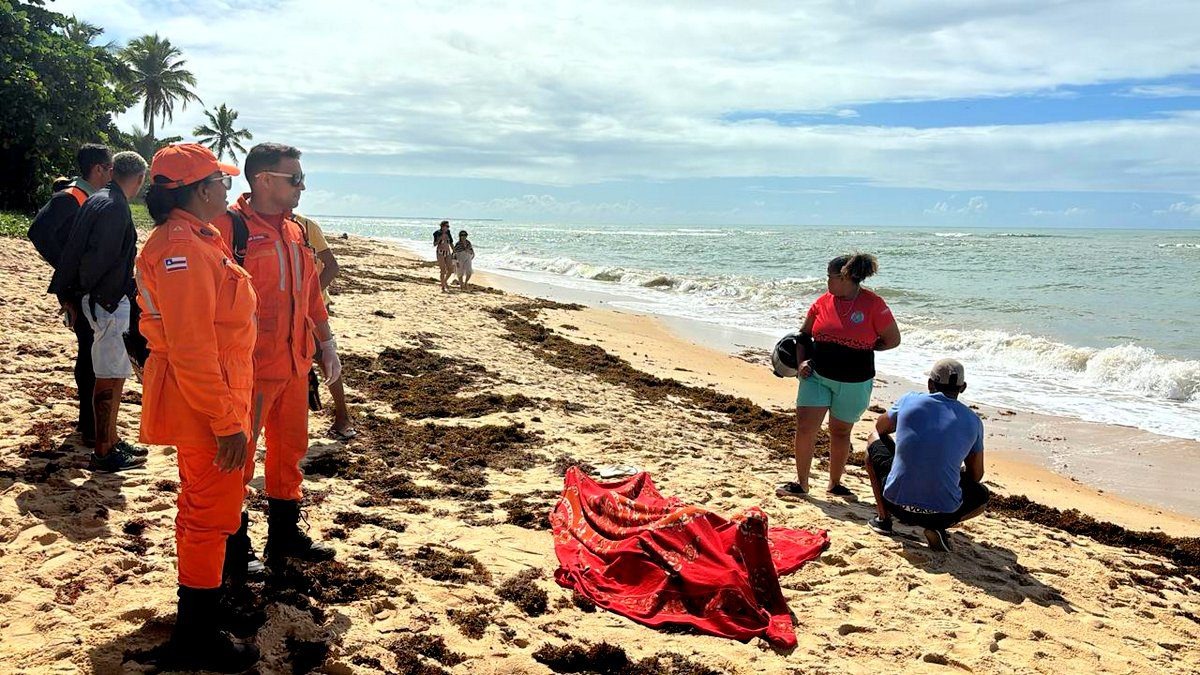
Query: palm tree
point(78, 30)
point(219, 134)
point(146, 145)
point(158, 77)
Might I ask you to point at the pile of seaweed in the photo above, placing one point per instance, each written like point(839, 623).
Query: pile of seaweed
point(775, 428)
point(421, 384)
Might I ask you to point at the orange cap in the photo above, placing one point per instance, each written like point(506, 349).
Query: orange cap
point(186, 163)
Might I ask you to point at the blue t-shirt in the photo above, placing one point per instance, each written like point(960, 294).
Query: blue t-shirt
point(934, 434)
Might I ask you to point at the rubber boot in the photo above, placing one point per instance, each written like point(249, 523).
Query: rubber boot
point(197, 643)
point(240, 561)
point(284, 538)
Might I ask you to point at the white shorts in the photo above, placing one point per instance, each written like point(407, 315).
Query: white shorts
point(464, 263)
point(110, 361)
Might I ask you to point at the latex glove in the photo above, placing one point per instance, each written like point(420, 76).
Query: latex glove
point(331, 365)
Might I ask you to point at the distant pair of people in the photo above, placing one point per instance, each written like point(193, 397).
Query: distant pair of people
point(454, 258)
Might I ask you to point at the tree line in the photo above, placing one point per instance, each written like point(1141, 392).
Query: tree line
point(61, 87)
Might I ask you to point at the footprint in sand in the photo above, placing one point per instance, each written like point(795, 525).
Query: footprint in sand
point(47, 539)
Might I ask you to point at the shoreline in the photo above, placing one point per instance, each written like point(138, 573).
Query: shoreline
point(1166, 501)
point(469, 408)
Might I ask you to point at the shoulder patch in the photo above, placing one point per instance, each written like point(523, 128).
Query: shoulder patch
point(180, 232)
point(175, 264)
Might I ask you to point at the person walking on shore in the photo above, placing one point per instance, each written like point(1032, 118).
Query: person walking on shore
point(198, 318)
point(841, 333)
point(930, 474)
point(96, 267)
point(291, 313)
point(443, 244)
point(464, 254)
point(49, 232)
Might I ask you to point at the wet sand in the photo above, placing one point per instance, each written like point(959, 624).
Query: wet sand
point(470, 406)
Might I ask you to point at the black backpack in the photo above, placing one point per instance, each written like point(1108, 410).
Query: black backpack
point(241, 235)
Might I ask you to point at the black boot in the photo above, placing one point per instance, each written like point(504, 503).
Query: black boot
point(240, 561)
point(197, 643)
point(284, 538)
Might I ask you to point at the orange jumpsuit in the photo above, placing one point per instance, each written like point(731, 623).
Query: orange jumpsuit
point(284, 274)
point(198, 318)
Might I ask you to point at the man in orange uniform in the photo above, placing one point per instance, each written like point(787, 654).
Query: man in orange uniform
point(198, 319)
point(290, 313)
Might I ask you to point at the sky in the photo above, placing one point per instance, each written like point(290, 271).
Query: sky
point(954, 114)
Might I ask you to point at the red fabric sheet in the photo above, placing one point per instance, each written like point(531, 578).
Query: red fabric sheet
point(660, 562)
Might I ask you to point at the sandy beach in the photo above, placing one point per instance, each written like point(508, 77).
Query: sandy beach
point(470, 406)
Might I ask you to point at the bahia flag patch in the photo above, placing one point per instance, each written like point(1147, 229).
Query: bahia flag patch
point(175, 264)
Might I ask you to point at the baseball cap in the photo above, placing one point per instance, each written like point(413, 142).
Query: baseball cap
point(948, 371)
point(186, 163)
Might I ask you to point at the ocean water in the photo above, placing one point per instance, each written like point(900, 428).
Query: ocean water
point(1102, 325)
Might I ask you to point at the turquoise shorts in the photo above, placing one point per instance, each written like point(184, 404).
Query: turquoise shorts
point(847, 401)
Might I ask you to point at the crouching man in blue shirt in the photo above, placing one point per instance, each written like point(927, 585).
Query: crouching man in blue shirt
point(919, 478)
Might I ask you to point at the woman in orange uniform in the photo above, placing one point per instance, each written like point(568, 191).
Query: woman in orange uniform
point(198, 318)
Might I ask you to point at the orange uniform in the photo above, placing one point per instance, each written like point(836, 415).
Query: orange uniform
point(285, 275)
point(198, 318)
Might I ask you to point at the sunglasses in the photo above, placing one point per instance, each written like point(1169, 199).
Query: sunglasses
point(224, 179)
point(296, 179)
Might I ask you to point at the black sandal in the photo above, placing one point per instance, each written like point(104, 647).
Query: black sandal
point(790, 489)
point(839, 490)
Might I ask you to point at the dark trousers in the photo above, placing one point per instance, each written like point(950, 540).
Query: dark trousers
point(881, 454)
point(85, 375)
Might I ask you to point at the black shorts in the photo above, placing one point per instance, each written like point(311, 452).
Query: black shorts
point(974, 495)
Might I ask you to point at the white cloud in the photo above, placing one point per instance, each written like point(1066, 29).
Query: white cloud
point(1189, 209)
point(974, 206)
point(564, 94)
point(846, 113)
point(1162, 91)
point(1069, 212)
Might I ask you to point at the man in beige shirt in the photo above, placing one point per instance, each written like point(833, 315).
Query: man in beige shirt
point(342, 429)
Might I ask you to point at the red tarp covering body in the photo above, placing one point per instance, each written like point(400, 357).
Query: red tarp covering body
point(659, 561)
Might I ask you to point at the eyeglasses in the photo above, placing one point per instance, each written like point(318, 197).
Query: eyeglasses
point(225, 179)
point(296, 179)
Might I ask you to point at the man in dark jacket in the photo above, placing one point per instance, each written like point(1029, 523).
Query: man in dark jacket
point(96, 266)
point(49, 232)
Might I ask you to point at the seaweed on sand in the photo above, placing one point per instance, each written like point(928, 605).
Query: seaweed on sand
point(352, 519)
point(334, 582)
point(473, 622)
point(606, 659)
point(1183, 551)
point(521, 590)
point(410, 649)
point(777, 429)
point(449, 564)
point(531, 511)
point(421, 384)
point(304, 655)
point(489, 446)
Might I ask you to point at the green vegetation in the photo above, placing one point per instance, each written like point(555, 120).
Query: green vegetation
point(158, 77)
point(14, 224)
point(141, 217)
point(219, 134)
point(60, 90)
